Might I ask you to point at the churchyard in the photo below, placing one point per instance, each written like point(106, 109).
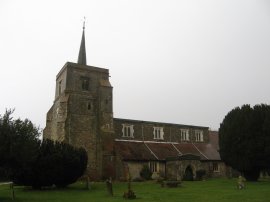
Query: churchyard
point(210, 190)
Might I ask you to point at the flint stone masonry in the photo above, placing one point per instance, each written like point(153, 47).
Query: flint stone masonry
point(82, 117)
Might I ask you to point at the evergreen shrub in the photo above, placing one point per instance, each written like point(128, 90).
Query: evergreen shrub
point(146, 173)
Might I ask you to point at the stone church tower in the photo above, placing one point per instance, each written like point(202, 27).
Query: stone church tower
point(82, 112)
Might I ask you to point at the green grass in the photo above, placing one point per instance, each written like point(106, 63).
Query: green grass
point(213, 190)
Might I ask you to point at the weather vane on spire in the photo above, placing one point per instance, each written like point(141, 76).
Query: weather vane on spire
point(84, 18)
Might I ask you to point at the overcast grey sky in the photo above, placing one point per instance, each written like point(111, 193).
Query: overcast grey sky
point(175, 61)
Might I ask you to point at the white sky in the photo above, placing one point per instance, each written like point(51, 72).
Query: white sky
point(175, 61)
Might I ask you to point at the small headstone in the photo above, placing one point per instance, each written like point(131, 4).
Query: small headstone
point(109, 186)
point(240, 182)
point(12, 191)
point(88, 183)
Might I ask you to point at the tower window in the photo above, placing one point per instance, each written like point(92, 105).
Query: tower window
point(85, 83)
point(198, 135)
point(59, 87)
point(158, 133)
point(89, 106)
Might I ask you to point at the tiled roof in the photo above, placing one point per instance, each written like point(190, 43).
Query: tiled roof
point(133, 151)
point(149, 150)
point(213, 139)
point(208, 151)
point(163, 151)
point(188, 148)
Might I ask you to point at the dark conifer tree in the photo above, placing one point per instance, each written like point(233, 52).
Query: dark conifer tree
point(26, 160)
point(244, 139)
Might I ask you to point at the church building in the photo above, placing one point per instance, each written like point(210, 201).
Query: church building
point(82, 115)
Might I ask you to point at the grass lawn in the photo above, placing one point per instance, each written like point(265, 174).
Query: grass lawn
point(212, 190)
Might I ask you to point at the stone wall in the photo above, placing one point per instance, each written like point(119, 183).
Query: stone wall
point(56, 119)
point(175, 169)
point(135, 168)
point(82, 112)
point(208, 167)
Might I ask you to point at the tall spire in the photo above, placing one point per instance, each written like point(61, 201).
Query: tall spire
point(82, 53)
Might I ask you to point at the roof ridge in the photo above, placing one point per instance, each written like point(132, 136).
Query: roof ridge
point(147, 141)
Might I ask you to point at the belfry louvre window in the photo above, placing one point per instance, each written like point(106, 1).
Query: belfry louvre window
point(158, 133)
point(184, 134)
point(127, 130)
point(198, 135)
point(85, 83)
